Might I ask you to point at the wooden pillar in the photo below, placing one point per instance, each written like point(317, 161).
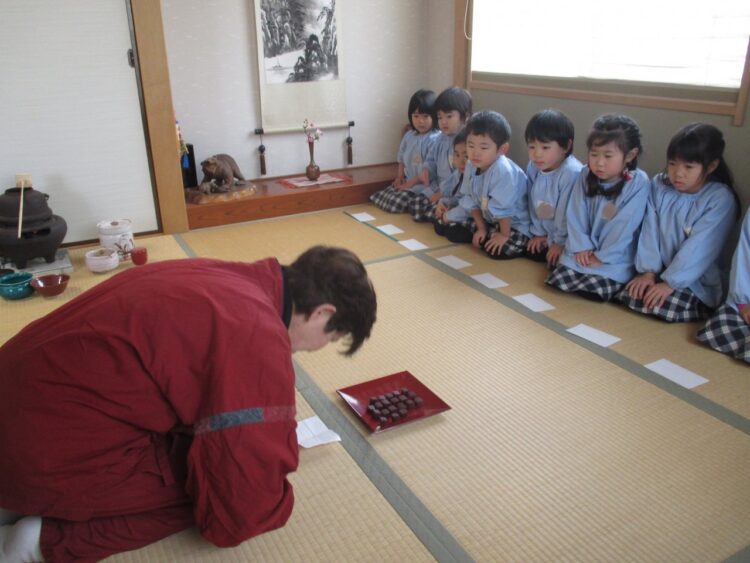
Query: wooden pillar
point(159, 114)
point(460, 43)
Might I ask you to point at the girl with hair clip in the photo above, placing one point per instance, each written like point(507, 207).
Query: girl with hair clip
point(604, 214)
point(412, 153)
point(689, 217)
point(728, 331)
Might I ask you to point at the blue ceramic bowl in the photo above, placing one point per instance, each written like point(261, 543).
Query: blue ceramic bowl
point(16, 285)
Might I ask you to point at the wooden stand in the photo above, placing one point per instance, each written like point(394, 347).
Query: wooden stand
point(272, 199)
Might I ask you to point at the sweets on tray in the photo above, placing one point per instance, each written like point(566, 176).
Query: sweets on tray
point(394, 406)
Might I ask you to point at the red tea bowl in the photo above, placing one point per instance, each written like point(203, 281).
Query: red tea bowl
point(50, 285)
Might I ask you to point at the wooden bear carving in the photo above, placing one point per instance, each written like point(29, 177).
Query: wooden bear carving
point(219, 172)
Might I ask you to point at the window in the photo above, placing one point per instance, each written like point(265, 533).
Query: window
point(640, 50)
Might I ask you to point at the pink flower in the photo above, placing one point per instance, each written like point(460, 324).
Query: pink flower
point(311, 132)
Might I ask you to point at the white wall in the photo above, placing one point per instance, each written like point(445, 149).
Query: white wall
point(69, 112)
point(393, 48)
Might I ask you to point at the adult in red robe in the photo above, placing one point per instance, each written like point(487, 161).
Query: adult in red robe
point(164, 398)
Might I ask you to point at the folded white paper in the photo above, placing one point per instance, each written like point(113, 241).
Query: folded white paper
point(363, 217)
point(533, 302)
point(412, 244)
point(454, 262)
point(490, 281)
point(676, 373)
point(313, 432)
point(389, 229)
point(593, 335)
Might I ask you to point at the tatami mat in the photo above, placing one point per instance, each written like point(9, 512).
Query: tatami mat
point(550, 452)
point(553, 451)
point(338, 516)
point(17, 314)
point(423, 232)
point(644, 339)
point(288, 237)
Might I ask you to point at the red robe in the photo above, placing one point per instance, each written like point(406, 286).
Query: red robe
point(94, 399)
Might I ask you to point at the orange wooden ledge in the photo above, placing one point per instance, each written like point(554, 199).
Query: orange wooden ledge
point(272, 199)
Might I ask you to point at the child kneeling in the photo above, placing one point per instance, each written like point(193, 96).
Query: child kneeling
point(691, 212)
point(728, 331)
point(605, 213)
point(492, 212)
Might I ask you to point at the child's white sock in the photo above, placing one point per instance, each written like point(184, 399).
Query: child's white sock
point(19, 542)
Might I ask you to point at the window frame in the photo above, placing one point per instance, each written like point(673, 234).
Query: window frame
point(730, 102)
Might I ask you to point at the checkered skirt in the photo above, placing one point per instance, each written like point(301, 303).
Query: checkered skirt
point(421, 209)
point(570, 281)
point(514, 247)
point(456, 232)
point(392, 200)
point(727, 332)
point(680, 307)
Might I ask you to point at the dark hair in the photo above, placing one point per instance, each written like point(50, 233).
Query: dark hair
point(624, 132)
point(490, 123)
point(325, 274)
point(551, 125)
point(423, 101)
point(454, 99)
point(702, 143)
point(460, 137)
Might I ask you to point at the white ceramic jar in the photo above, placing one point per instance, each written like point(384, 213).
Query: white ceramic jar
point(117, 234)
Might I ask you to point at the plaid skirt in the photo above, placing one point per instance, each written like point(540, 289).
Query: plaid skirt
point(727, 332)
point(421, 209)
point(591, 286)
point(514, 247)
point(392, 200)
point(680, 307)
point(456, 232)
point(537, 256)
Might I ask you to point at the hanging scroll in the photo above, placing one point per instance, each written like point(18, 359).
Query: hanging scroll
point(299, 64)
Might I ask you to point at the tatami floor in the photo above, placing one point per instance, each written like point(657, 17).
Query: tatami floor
point(555, 449)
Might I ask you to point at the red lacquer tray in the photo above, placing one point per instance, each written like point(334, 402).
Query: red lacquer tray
point(358, 397)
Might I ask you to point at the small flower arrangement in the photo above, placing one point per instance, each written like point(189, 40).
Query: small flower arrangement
point(311, 132)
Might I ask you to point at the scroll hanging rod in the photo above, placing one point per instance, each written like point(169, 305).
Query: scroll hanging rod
point(324, 126)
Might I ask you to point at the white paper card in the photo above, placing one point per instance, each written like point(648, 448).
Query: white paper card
point(454, 262)
point(488, 280)
point(413, 244)
point(676, 373)
point(533, 302)
point(593, 335)
point(363, 217)
point(313, 432)
point(389, 229)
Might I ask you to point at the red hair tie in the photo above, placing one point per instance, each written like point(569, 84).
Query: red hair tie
point(627, 175)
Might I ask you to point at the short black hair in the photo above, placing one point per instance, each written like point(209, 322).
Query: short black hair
point(490, 123)
point(326, 274)
point(703, 143)
point(460, 137)
point(423, 101)
point(454, 99)
point(551, 125)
